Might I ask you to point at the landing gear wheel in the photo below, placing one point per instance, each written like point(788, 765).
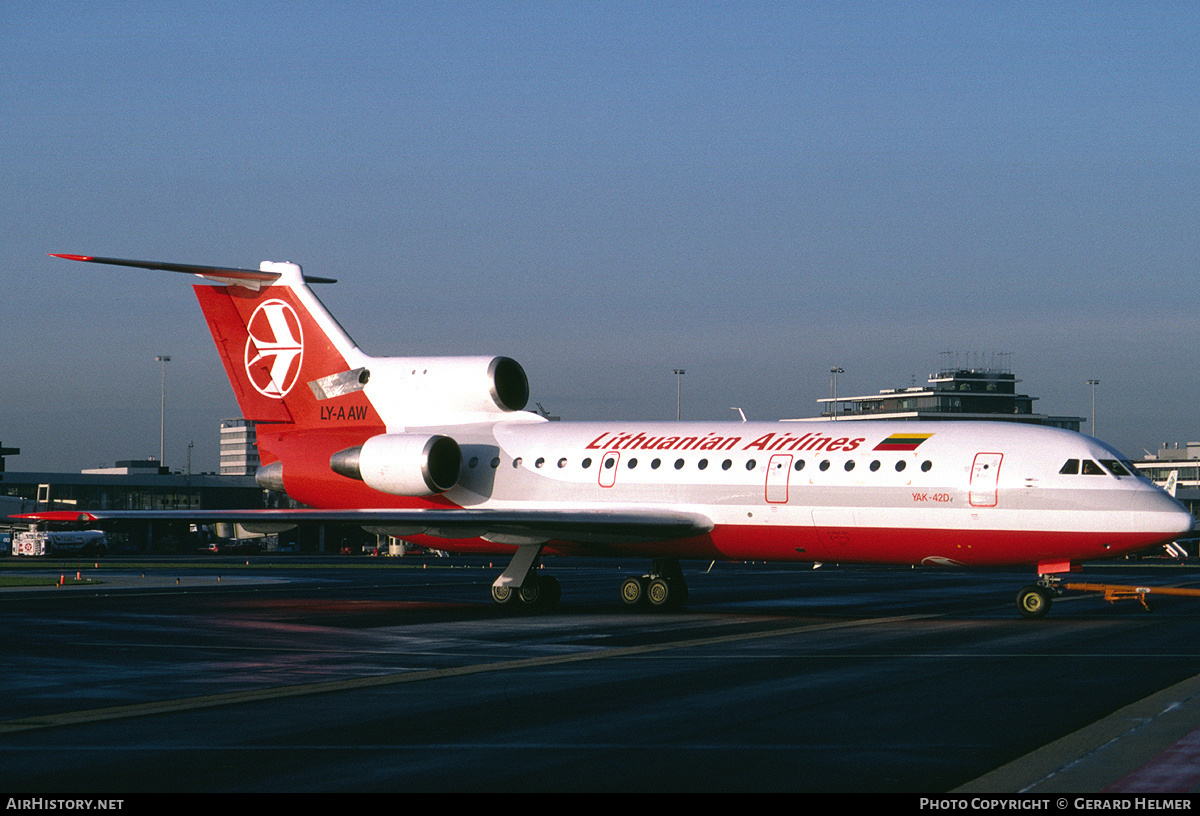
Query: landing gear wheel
point(531, 591)
point(537, 592)
point(502, 594)
point(667, 593)
point(659, 592)
point(633, 591)
point(1033, 602)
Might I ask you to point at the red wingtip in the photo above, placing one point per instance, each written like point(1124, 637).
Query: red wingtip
point(72, 257)
point(57, 515)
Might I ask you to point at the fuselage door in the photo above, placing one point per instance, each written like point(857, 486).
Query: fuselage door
point(778, 472)
point(608, 468)
point(985, 479)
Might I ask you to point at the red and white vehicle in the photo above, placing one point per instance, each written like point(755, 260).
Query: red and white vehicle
point(88, 543)
point(439, 450)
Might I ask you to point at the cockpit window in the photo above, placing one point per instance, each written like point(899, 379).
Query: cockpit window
point(1134, 471)
point(1115, 467)
point(1089, 468)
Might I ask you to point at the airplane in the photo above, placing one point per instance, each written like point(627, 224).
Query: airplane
point(440, 451)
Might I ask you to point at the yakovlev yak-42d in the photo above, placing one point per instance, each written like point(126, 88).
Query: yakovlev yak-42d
point(439, 450)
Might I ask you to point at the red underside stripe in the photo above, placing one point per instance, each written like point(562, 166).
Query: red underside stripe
point(975, 548)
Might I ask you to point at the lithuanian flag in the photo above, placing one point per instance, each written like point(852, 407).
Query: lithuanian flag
point(902, 442)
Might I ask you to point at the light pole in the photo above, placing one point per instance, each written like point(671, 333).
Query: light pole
point(162, 407)
point(1093, 384)
point(833, 372)
point(678, 372)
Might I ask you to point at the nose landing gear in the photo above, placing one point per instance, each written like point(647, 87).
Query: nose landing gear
point(1034, 601)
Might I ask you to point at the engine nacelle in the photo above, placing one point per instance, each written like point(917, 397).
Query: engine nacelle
point(270, 477)
point(402, 464)
point(416, 391)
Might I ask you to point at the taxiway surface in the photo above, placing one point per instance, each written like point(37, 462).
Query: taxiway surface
point(348, 675)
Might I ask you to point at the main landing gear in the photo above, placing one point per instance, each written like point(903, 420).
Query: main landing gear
point(537, 592)
point(662, 588)
point(520, 585)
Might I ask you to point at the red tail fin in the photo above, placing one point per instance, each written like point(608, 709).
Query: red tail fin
point(293, 369)
point(285, 357)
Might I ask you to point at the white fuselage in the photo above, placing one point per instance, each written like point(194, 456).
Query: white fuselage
point(870, 491)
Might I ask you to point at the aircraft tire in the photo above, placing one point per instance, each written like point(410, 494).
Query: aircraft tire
point(502, 594)
point(1033, 602)
point(633, 591)
point(531, 591)
point(659, 593)
point(667, 593)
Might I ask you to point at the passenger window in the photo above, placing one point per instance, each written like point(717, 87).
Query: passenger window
point(824, 464)
point(679, 464)
point(874, 465)
point(1090, 468)
point(750, 464)
point(849, 465)
point(799, 464)
point(632, 464)
point(727, 464)
point(495, 462)
point(654, 465)
point(900, 465)
point(926, 465)
point(702, 464)
point(541, 460)
point(587, 463)
point(473, 462)
point(517, 462)
point(1071, 468)
point(562, 462)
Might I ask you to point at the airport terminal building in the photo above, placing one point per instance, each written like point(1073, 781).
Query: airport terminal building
point(951, 394)
point(139, 484)
point(144, 485)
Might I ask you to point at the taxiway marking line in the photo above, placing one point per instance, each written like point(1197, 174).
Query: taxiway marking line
point(96, 715)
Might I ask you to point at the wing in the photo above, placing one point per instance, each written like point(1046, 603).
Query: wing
point(501, 526)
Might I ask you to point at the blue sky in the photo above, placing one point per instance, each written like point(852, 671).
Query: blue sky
point(605, 191)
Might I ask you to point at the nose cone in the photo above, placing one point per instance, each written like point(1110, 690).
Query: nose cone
point(1175, 518)
point(1185, 521)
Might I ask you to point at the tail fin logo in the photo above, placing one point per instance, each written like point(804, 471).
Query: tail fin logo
point(274, 348)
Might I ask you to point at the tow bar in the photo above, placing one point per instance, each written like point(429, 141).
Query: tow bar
point(1121, 592)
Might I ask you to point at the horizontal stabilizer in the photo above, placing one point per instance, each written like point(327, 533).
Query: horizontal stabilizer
point(218, 273)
